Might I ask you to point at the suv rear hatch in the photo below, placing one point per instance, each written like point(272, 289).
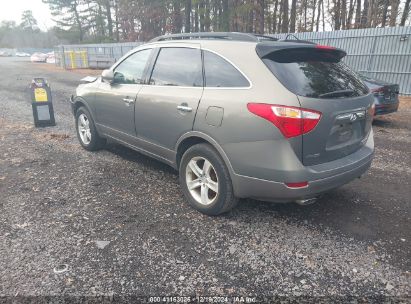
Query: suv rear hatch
point(323, 83)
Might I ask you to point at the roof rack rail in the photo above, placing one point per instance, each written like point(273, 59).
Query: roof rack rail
point(265, 37)
point(216, 35)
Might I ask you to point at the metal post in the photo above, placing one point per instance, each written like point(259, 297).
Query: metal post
point(63, 56)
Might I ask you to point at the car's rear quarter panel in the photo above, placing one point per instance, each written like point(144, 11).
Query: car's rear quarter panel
point(254, 146)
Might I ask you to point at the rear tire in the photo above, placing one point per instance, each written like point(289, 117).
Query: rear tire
point(205, 180)
point(87, 132)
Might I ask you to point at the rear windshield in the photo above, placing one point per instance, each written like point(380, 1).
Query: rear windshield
point(314, 73)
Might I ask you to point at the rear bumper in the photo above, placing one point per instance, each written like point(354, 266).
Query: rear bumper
point(381, 109)
point(279, 192)
point(321, 178)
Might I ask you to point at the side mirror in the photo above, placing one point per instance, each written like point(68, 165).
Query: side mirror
point(108, 76)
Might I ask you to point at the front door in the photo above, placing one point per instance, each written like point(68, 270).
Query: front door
point(166, 106)
point(115, 101)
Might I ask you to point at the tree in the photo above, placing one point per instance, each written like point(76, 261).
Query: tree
point(274, 27)
point(187, 14)
point(337, 14)
point(225, 22)
point(293, 15)
point(261, 19)
point(207, 21)
point(394, 12)
point(304, 8)
point(364, 14)
point(343, 14)
point(405, 13)
point(320, 2)
point(313, 15)
point(13, 36)
point(117, 21)
point(358, 15)
point(384, 13)
point(284, 16)
point(350, 14)
point(28, 21)
point(177, 18)
point(107, 5)
point(68, 14)
point(131, 20)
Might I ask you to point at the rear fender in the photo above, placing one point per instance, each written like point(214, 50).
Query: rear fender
point(211, 141)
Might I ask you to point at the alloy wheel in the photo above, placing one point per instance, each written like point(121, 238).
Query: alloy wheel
point(202, 180)
point(84, 129)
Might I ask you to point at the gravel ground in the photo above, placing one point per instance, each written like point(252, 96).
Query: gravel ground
point(119, 221)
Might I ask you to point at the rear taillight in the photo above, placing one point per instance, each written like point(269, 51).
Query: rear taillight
point(378, 91)
point(371, 111)
point(297, 185)
point(291, 121)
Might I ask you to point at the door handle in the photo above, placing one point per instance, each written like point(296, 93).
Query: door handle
point(128, 100)
point(184, 108)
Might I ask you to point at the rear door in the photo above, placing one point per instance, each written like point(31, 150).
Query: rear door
point(166, 106)
point(323, 83)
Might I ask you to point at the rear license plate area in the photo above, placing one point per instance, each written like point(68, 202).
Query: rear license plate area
point(345, 134)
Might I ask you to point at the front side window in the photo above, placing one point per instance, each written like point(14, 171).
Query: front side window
point(220, 73)
point(131, 70)
point(178, 67)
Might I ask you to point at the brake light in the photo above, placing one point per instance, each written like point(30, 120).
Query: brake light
point(291, 121)
point(324, 47)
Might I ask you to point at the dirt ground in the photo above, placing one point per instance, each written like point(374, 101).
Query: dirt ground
point(119, 222)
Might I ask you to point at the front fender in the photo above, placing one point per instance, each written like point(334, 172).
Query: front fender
point(77, 101)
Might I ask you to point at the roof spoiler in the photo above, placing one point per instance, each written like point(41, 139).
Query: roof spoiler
point(330, 53)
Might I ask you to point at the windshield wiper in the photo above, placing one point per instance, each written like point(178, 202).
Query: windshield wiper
point(338, 93)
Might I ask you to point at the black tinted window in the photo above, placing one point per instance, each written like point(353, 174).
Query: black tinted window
point(131, 70)
point(313, 74)
point(220, 73)
point(178, 67)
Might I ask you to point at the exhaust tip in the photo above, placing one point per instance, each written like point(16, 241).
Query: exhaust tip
point(305, 202)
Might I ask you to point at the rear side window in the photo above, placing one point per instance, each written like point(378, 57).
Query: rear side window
point(220, 73)
point(178, 67)
point(312, 73)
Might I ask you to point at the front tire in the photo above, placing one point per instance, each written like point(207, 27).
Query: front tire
point(205, 180)
point(87, 132)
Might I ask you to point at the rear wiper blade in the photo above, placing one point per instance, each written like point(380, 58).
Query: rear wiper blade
point(338, 93)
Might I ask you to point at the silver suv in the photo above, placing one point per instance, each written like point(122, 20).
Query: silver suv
point(238, 115)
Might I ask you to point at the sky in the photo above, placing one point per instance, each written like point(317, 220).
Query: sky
point(12, 10)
